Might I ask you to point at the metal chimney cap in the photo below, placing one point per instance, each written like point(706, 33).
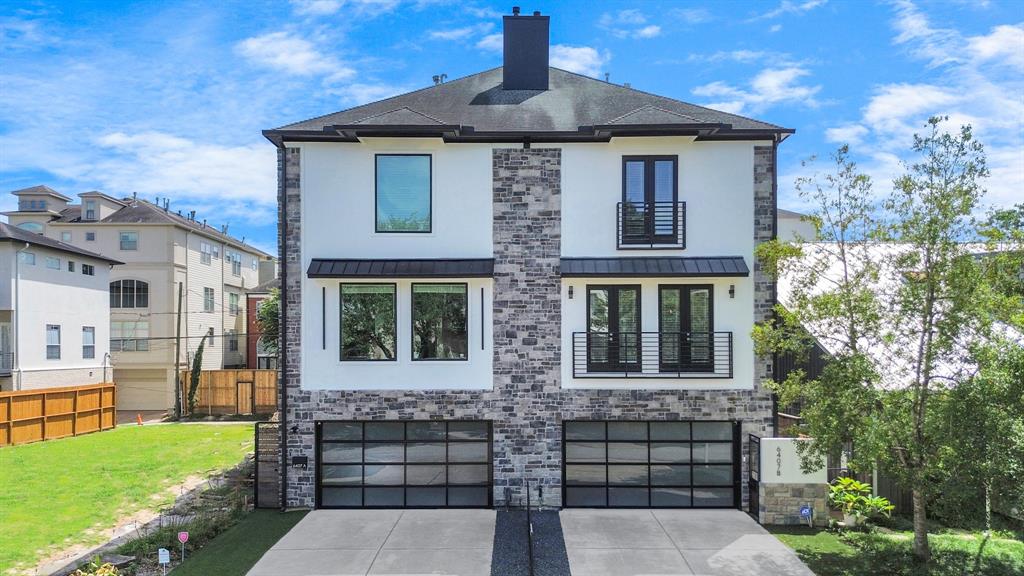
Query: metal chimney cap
point(515, 10)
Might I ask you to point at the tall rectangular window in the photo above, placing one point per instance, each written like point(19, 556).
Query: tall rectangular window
point(233, 307)
point(403, 192)
point(129, 336)
point(650, 210)
point(129, 240)
point(236, 264)
point(232, 340)
point(368, 321)
point(439, 322)
point(90, 209)
point(71, 265)
point(205, 252)
point(208, 299)
point(88, 341)
point(52, 342)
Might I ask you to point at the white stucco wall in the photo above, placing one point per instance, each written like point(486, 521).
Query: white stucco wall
point(792, 227)
point(780, 463)
point(322, 367)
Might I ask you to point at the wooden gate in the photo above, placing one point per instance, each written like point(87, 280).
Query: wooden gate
point(233, 391)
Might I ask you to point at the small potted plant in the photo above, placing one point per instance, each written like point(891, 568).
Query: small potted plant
point(853, 498)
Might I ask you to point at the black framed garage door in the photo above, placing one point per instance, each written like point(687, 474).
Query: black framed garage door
point(651, 464)
point(390, 464)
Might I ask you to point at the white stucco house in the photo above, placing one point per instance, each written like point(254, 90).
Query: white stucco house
point(54, 312)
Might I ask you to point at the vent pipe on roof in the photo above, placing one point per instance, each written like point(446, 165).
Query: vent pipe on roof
point(525, 51)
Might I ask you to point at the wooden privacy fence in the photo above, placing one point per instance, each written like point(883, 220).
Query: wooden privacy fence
point(233, 391)
point(48, 413)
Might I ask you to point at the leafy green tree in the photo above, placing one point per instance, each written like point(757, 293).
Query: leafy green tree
point(268, 316)
point(902, 314)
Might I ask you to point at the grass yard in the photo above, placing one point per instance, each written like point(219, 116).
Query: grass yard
point(883, 553)
point(54, 492)
point(239, 548)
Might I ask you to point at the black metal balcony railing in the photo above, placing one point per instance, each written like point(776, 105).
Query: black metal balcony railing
point(652, 354)
point(651, 225)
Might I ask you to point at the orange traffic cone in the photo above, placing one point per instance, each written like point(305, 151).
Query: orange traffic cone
point(138, 418)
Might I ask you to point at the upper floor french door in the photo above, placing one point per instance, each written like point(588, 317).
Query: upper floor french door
point(613, 328)
point(686, 327)
point(649, 200)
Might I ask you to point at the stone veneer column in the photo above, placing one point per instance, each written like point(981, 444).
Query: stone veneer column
point(527, 319)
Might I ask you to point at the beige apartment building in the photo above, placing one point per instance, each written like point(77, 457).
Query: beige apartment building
point(161, 251)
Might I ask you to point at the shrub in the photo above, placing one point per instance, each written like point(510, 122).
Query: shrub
point(854, 498)
point(94, 568)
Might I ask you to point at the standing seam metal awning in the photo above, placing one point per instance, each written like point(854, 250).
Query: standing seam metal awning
point(654, 267)
point(395, 268)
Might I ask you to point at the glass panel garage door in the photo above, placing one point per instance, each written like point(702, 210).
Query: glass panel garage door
point(393, 464)
point(651, 464)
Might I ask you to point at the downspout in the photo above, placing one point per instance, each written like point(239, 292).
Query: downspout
point(775, 283)
point(16, 364)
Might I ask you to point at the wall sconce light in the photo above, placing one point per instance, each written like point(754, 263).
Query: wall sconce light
point(732, 290)
point(570, 292)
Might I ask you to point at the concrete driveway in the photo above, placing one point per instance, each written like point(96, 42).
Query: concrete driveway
point(673, 542)
point(361, 542)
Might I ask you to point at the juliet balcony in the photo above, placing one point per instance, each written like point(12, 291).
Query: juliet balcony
point(651, 225)
point(652, 355)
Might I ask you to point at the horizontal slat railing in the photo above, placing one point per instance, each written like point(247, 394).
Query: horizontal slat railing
point(652, 354)
point(651, 225)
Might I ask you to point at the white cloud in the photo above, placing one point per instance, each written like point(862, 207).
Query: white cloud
point(691, 15)
point(1004, 45)
point(316, 7)
point(580, 59)
point(775, 28)
point(491, 43)
point(463, 33)
point(846, 134)
point(893, 104)
point(770, 87)
point(789, 7)
point(285, 52)
point(628, 24)
point(356, 7)
point(744, 57)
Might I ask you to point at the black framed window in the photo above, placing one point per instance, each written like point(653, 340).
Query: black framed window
point(686, 327)
point(403, 192)
point(440, 328)
point(613, 328)
point(368, 322)
point(650, 196)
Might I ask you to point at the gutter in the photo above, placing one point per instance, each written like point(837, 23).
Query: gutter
point(16, 364)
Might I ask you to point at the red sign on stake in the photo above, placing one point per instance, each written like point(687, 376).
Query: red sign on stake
point(182, 537)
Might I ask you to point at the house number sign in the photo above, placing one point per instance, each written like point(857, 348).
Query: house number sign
point(778, 460)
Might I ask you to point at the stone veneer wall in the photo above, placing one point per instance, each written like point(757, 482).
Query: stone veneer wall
point(780, 503)
point(527, 404)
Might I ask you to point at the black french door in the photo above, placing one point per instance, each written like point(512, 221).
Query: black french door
point(649, 200)
point(686, 326)
point(613, 328)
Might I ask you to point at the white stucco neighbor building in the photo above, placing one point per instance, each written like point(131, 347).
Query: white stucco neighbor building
point(54, 313)
point(161, 250)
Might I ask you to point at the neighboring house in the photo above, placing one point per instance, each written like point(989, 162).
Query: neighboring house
point(54, 315)
point(161, 250)
point(523, 277)
point(793, 227)
point(258, 355)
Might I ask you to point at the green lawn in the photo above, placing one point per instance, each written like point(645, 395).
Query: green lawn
point(236, 551)
point(55, 491)
point(888, 554)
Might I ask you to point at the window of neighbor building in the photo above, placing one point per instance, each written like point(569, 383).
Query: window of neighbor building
point(233, 306)
point(439, 322)
point(255, 263)
point(65, 236)
point(368, 323)
point(90, 210)
point(236, 264)
point(71, 265)
point(216, 252)
point(90, 236)
point(88, 341)
point(232, 340)
point(208, 299)
point(88, 269)
point(129, 336)
point(52, 262)
point(32, 227)
point(205, 252)
point(129, 240)
point(129, 294)
point(52, 342)
point(27, 258)
point(403, 193)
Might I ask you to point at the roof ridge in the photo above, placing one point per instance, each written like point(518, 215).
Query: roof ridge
point(659, 109)
point(417, 112)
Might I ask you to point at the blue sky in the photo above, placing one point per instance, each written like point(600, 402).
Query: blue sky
point(168, 98)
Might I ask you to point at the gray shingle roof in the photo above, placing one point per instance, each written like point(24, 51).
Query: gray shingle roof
point(15, 234)
point(41, 189)
point(654, 267)
point(571, 102)
point(398, 268)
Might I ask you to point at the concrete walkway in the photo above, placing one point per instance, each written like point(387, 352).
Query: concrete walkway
point(362, 542)
point(673, 542)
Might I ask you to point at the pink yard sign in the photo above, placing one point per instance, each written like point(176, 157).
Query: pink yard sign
point(182, 537)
